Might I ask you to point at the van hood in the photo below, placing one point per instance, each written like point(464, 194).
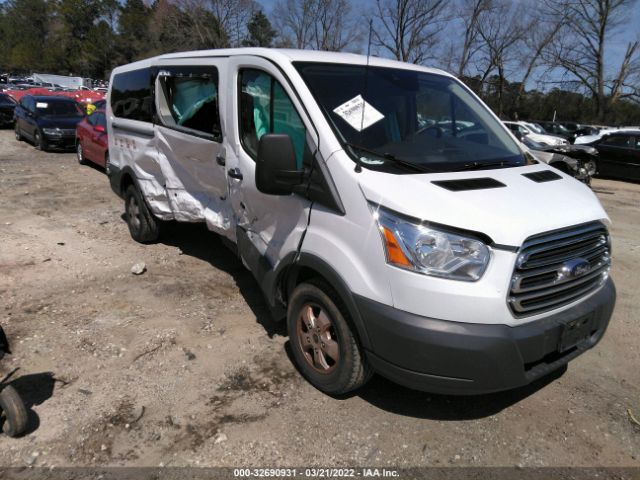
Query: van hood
point(508, 215)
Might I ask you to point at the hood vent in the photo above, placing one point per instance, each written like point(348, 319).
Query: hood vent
point(469, 184)
point(542, 176)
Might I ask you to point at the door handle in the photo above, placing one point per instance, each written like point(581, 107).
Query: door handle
point(235, 173)
point(220, 160)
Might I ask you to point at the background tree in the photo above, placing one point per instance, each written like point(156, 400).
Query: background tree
point(409, 29)
point(295, 20)
point(260, 32)
point(232, 17)
point(580, 52)
point(25, 28)
point(469, 13)
point(133, 30)
point(317, 24)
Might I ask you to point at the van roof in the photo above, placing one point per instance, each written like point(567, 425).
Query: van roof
point(280, 55)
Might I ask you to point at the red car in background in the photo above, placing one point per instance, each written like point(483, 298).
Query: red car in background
point(91, 140)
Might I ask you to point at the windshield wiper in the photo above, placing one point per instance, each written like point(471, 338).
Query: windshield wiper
point(482, 165)
point(391, 158)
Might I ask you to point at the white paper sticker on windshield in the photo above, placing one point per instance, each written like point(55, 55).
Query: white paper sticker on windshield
point(41, 105)
point(358, 113)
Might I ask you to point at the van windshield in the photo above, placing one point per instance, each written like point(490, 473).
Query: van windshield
point(389, 119)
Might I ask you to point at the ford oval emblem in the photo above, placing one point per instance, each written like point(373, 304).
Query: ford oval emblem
point(575, 268)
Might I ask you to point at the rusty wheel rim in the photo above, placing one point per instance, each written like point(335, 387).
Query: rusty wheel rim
point(317, 338)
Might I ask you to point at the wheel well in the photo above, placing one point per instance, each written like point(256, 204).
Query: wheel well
point(562, 166)
point(127, 180)
point(296, 275)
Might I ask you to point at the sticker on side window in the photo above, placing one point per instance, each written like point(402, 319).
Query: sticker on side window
point(358, 113)
point(41, 105)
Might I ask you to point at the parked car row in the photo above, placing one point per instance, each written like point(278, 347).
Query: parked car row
point(59, 123)
point(610, 153)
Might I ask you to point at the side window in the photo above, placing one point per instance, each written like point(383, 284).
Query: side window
point(617, 141)
point(265, 107)
point(189, 100)
point(131, 95)
point(97, 119)
point(101, 119)
point(26, 104)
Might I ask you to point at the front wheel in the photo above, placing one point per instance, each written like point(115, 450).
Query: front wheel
point(18, 133)
point(38, 141)
point(323, 344)
point(80, 153)
point(143, 226)
point(14, 413)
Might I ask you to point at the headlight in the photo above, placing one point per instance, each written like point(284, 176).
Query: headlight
point(53, 132)
point(427, 250)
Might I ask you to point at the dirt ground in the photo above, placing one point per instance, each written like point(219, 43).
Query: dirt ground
point(182, 366)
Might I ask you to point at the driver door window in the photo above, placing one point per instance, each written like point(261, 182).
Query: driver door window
point(266, 108)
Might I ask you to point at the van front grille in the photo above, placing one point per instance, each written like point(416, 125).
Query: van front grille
point(557, 268)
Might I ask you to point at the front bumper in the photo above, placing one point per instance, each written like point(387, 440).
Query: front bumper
point(469, 358)
point(59, 142)
point(6, 118)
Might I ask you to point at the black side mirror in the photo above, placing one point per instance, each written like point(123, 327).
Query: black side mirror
point(276, 169)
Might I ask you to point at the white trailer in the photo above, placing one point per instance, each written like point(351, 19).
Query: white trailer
point(62, 80)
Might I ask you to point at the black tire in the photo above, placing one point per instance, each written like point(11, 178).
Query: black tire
point(39, 141)
point(80, 153)
point(19, 136)
point(312, 352)
point(14, 413)
point(143, 226)
point(107, 165)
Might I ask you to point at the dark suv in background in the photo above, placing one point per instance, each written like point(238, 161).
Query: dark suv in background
point(49, 122)
point(7, 107)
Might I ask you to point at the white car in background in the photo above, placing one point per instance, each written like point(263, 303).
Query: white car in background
point(585, 139)
point(524, 130)
point(534, 127)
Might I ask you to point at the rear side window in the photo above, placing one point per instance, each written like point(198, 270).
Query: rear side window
point(617, 141)
point(189, 100)
point(266, 108)
point(131, 95)
point(97, 119)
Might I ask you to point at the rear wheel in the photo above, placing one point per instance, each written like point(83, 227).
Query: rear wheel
point(14, 413)
point(322, 341)
point(18, 133)
point(107, 165)
point(143, 226)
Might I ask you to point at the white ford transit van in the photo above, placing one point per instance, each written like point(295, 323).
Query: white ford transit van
point(385, 211)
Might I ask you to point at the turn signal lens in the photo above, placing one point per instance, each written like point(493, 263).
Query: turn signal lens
point(394, 252)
